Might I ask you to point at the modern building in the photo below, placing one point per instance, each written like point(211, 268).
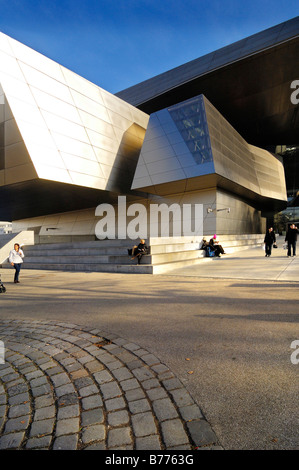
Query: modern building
point(221, 131)
point(254, 84)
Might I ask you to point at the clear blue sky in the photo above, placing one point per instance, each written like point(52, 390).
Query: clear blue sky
point(118, 43)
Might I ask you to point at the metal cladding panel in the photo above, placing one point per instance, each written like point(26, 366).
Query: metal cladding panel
point(251, 167)
point(248, 82)
point(176, 146)
point(191, 141)
point(74, 132)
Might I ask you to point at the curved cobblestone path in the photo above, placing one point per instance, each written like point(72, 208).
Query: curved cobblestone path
point(66, 387)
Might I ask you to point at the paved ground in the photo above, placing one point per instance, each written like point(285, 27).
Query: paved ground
point(66, 387)
point(195, 358)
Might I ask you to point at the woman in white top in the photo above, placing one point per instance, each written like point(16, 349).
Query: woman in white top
point(16, 259)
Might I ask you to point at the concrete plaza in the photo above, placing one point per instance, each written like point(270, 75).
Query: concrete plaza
point(222, 330)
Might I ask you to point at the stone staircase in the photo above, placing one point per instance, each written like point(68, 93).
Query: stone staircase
point(112, 255)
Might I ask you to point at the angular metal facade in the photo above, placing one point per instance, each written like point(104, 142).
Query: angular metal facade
point(57, 126)
point(191, 146)
point(67, 145)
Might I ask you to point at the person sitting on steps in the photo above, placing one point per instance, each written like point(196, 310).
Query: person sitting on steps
point(216, 247)
point(139, 250)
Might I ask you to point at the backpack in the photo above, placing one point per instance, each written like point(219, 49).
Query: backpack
point(210, 252)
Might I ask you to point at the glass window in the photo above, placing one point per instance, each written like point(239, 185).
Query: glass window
point(190, 119)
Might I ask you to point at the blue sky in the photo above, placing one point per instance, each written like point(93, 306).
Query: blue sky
point(118, 43)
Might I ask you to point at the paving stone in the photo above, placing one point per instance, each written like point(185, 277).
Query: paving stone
point(135, 394)
point(12, 440)
point(139, 406)
point(150, 359)
point(95, 416)
point(94, 366)
point(87, 391)
point(44, 413)
point(129, 384)
point(69, 442)
point(142, 374)
point(39, 442)
point(181, 397)
point(115, 404)
point(173, 433)
point(148, 443)
point(103, 377)
point(18, 399)
point(70, 411)
point(156, 393)
point(118, 418)
point(164, 409)
point(119, 437)
point(172, 384)
point(114, 365)
point(17, 424)
point(69, 399)
point(83, 382)
point(131, 346)
point(91, 402)
point(17, 389)
point(67, 426)
point(77, 374)
point(160, 368)
point(122, 374)
point(110, 390)
point(60, 379)
point(39, 428)
point(190, 412)
point(143, 424)
point(93, 433)
point(43, 401)
point(151, 383)
point(19, 410)
point(202, 433)
point(39, 381)
point(64, 390)
point(42, 390)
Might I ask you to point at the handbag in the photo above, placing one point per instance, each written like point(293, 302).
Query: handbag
point(274, 245)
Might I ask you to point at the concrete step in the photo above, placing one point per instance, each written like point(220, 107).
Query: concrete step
point(112, 256)
point(105, 267)
point(84, 260)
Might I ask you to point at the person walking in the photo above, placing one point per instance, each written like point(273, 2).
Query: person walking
point(291, 239)
point(16, 259)
point(269, 241)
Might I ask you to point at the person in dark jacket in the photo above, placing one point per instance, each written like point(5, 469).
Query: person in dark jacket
point(139, 250)
point(214, 244)
point(269, 241)
point(291, 238)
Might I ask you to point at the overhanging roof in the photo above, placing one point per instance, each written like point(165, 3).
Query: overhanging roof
point(247, 81)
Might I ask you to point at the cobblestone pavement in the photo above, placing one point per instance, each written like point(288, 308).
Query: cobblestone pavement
point(66, 387)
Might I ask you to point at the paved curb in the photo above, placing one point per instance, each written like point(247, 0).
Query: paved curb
point(66, 387)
